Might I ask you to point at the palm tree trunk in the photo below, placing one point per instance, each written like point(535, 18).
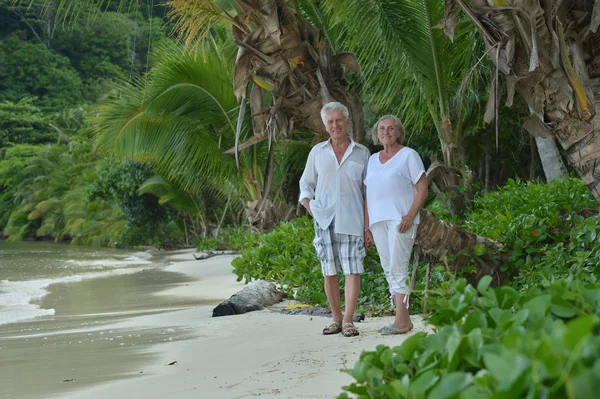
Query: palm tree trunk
point(551, 58)
point(552, 163)
point(442, 239)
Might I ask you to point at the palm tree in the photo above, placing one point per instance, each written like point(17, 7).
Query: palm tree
point(181, 119)
point(284, 68)
point(269, 63)
point(548, 52)
point(415, 71)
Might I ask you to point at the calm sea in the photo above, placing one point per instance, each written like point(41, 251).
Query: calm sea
point(27, 269)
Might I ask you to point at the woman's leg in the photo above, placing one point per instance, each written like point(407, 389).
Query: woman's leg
point(400, 245)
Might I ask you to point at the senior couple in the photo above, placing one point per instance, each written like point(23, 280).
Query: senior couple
point(357, 200)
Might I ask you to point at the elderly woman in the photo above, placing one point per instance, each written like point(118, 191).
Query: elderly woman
point(396, 187)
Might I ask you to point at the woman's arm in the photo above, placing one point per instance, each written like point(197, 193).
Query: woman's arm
point(422, 191)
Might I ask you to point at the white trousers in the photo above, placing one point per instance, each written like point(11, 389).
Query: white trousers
point(394, 250)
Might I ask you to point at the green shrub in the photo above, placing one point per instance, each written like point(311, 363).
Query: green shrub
point(537, 338)
point(229, 238)
point(494, 343)
point(287, 256)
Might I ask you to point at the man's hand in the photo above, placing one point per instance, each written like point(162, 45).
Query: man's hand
point(306, 204)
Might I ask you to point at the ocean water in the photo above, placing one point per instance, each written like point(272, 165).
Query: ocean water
point(28, 269)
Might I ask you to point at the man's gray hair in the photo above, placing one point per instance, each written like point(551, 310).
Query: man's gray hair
point(399, 126)
point(332, 107)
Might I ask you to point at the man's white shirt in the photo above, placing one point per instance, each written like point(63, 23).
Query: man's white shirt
point(336, 190)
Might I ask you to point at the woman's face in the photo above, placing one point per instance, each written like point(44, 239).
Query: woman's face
point(387, 132)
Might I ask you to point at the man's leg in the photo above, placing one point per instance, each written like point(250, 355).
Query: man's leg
point(351, 296)
point(332, 290)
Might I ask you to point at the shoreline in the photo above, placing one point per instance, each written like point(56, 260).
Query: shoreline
point(263, 353)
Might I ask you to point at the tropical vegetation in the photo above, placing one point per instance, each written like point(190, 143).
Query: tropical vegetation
point(188, 124)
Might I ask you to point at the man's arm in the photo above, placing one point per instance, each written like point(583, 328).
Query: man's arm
point(308, 183)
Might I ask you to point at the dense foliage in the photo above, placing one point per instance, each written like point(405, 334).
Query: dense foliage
point(535, 221)
point(536, 337)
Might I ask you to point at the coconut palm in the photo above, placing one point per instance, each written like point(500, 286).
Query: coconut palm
point(413, 70)
point(181, 119)
point(268, 65)
point(284, 67)
point(548, 52)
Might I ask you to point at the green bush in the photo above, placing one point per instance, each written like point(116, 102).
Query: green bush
point(494, 343)
point(229, 238)
point(537, 338)
point(287, 256)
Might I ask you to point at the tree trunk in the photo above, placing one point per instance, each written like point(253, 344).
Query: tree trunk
point(551, 57)
point(533, 155)
point(552, 163)
point(442, 239)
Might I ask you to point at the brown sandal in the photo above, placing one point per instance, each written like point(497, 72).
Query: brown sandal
point(334, 328)
point(349, 330)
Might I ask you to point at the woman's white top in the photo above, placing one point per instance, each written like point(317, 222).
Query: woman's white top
point(391, 186)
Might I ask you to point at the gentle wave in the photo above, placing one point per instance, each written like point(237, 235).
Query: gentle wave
point(16, 297)
point(107, 263)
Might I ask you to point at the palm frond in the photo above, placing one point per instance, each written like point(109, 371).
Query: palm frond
point(193, 20)
point(407, 62)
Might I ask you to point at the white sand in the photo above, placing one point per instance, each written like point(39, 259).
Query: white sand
point(262, 353)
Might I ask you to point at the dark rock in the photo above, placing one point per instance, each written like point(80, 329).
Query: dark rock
point(210, 254)
point(254, 296)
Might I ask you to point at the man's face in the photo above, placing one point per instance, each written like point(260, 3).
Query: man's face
point(336, 125)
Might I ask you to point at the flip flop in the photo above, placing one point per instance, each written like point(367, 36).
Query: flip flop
point(349, 330)
point(389, 330)
point(334, 328)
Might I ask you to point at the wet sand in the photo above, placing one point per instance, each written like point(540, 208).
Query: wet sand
point(117, 355)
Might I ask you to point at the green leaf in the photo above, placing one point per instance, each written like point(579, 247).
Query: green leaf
point(509, 369)
point(452, 346)
point(479, 251)
point(520, 317)
point(507, 297)
point(451, 385)
point(475, 319)
point(563, 309)
point(484, 283)
point(579, 329)
point(424, 382)
point(584, 385)
point(539, 305)
point(410, 345)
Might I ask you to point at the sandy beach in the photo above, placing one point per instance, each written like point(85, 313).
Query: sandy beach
point(263, 353)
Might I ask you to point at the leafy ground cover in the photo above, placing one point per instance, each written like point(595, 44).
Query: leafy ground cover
point(535, 337)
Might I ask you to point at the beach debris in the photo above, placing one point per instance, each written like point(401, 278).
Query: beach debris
point(209, 254)
point(174, 362)
point(256, 295)
point(297, 306)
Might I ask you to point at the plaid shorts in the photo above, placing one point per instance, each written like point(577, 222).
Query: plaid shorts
point(339, 251)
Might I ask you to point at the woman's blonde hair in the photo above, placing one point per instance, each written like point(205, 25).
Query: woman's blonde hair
point(399, 126)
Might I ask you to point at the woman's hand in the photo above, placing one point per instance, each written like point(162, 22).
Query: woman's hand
point(369, 242)
point(406, 223)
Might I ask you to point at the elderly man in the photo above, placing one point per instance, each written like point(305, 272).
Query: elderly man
point(332, 191)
